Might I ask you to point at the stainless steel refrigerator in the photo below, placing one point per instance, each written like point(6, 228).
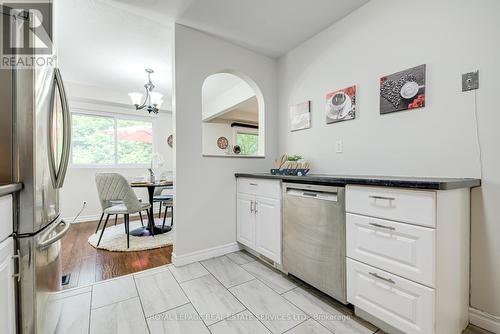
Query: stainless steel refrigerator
point(40, 141)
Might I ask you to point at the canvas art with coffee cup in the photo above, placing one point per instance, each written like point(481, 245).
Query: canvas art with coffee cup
point(341, 105)
point(403, 90)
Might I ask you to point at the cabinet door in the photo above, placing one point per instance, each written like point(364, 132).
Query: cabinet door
point(245, 220)
point(7, 288)
point(268, 228)
point(6, 220)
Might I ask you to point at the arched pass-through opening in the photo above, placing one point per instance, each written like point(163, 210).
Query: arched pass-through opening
point(233, 116)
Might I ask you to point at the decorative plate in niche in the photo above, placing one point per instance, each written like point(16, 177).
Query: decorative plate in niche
point(170, 140)
point(222, 143)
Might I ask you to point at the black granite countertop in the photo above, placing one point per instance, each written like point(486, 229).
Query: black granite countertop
point(10, 188)
point(368, 180)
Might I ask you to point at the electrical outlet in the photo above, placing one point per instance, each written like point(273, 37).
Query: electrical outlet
point(470, 81)
point(338, 146)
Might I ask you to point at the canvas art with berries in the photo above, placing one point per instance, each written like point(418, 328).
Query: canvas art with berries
point(403, 90)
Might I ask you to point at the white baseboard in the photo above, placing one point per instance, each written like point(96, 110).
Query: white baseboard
point(484, 320)
point(204, 254)
point(91, 218)
point(82, 219)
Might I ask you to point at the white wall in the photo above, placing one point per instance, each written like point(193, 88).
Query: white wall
point(79, 185)
point(212, 132)
point(386, 36)
point(205, 186)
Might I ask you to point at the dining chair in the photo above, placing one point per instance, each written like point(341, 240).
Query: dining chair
point(166, 200)
point(113, 188)
point(116, 216)
point(116, 219)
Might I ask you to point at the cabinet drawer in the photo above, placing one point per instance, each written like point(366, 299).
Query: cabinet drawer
point(409, 206)
point(403, 249)
point(6, 217)
point(403, 304)
point(259, 187)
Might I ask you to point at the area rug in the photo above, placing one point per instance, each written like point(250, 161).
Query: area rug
point(115, 239)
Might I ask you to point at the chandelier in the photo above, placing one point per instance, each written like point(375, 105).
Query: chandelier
point(153, 100)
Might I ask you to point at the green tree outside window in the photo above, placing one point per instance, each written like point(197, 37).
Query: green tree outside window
point(249, 143)
point(101, 140)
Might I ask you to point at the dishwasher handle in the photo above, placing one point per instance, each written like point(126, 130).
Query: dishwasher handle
point(325, 196)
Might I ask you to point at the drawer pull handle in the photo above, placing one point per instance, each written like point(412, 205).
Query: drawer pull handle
point(382, 278)
point(18, 258)
point(383, 226)
point(382, 197)
point(254, 184)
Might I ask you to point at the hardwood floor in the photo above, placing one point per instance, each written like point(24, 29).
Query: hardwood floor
point(88, 265)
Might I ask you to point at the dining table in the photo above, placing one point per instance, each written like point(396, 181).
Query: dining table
point(151, 229)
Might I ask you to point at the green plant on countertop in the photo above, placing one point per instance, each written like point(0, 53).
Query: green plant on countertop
point(295, 157)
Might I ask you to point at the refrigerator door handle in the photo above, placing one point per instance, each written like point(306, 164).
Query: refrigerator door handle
point(48, 240)
point(67, 131)
point(58, 173)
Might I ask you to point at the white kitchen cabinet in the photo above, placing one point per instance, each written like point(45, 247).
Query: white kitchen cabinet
point(259, 187)
point(7, 287)
point(246, 220)
point(408, 258)
point(258, 221)
point(268, 227)
point(406, 305)
point(405, 205)
point(6, 217)
point(403, 249)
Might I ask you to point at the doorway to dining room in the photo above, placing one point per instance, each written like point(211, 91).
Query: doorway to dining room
point(115, 234)
point(118, 227)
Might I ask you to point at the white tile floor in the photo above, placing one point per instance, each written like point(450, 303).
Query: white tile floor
point(225, 295)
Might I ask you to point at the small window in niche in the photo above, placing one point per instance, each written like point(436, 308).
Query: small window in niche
point(247, 139)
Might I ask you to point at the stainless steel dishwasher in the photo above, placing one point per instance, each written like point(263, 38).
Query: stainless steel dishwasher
point(314, 236)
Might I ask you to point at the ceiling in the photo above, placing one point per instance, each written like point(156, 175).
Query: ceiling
point(107, 47)
point(250, 106)
point(109, 43)
point(244, 112)
point(270, 27)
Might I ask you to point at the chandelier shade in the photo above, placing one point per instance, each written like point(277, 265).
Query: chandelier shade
point(136, 98)
point(153, 100)
point(156, 98)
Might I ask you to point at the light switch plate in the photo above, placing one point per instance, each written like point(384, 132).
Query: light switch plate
point(338, 146)
point(470, 81)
